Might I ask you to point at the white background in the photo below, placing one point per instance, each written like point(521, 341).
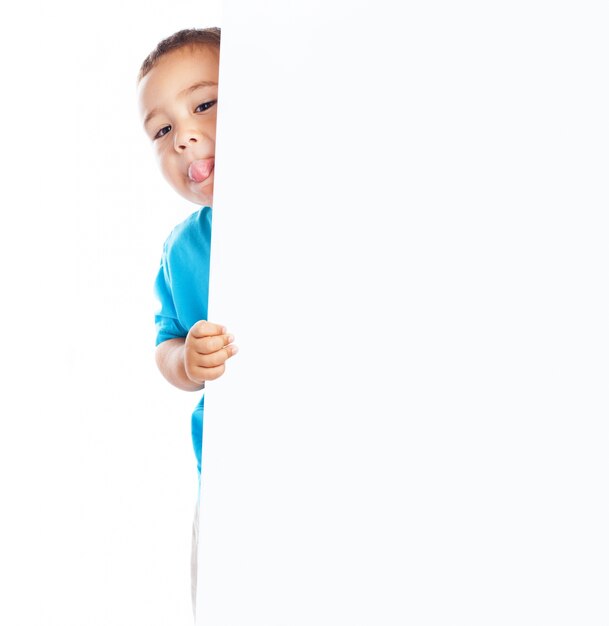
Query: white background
point(410, 246)
point(98, 475)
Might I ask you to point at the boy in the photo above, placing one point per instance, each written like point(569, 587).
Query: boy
point(178, 95)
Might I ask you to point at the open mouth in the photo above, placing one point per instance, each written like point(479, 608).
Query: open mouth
point(201, 169)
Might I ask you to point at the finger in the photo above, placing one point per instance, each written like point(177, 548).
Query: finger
point(216, 358)
point(209, 345)
point(204, 328)
point(209, 373)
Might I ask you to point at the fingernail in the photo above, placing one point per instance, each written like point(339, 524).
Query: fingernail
point(235, 349)
point(231, 338)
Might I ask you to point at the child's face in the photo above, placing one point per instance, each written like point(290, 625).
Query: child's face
point(178, 104)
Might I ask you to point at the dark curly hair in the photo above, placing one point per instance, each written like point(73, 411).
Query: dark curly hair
point(181, 39)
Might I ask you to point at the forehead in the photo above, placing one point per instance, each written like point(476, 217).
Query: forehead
point(176, 71)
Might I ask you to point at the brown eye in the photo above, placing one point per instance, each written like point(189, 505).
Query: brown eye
point(205, 106)
point(162, 132)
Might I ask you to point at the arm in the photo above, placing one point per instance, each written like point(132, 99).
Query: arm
point(170, 360)
point(187, 362)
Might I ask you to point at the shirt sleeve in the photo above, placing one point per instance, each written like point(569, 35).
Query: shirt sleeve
point(166, 319)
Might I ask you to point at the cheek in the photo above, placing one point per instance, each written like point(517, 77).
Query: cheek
point(210, 128)
point(169, 169)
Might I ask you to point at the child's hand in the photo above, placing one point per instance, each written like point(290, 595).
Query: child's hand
point(206, 349)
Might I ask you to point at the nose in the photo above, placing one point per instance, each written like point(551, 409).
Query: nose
point(185, 138)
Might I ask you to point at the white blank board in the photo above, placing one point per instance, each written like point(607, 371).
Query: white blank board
point(410, 247)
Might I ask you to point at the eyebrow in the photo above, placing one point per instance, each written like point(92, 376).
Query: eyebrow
point(184, 92)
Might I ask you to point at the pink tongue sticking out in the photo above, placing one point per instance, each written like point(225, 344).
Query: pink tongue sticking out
point(200, 170)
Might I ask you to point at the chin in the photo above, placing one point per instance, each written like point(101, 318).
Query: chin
point(204, 200)
point(207, 198)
